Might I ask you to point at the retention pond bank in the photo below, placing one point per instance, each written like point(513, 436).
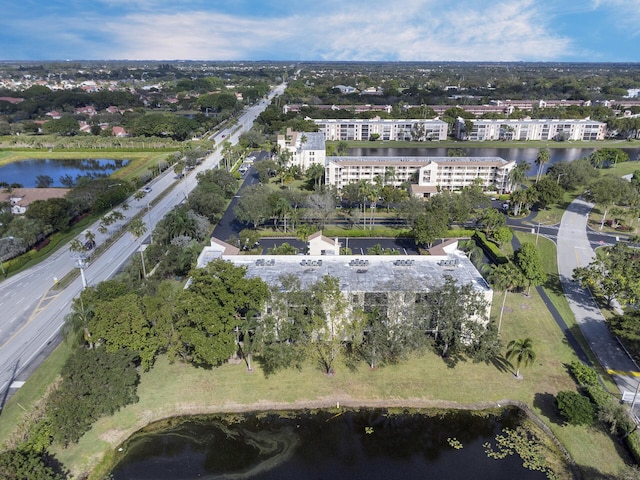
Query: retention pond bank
point(339, 444)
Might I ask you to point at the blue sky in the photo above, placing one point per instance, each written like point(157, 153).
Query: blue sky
point(360, 30)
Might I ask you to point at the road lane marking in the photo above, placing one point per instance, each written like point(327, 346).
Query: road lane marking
point(623, 373)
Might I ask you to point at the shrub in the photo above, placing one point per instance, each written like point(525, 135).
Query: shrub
point(575, 408)
point(583, 374)
point(598, 395)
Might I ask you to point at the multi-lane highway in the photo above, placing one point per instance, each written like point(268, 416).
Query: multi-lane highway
point(32, 311)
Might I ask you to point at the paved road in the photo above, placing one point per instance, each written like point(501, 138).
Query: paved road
point(575, 250)
point(33, 313)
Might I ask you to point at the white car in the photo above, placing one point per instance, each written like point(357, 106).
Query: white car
point(146, 189)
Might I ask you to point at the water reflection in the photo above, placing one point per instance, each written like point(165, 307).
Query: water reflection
point(527, 155)
point(26, 172)
point(366, 444)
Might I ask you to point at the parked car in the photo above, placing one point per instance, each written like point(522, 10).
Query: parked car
point(146, 189)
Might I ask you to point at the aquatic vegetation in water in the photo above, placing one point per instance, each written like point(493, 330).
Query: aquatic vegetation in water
point(525, 444)
point(454, 442)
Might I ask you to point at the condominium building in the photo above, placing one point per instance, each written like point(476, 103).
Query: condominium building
point(530, 129)
point(305, 148)
point(383, 129)
point(297, 107)
point(427, 175)
point(391, 284)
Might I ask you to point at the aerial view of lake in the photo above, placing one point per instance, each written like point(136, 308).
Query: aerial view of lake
point(366, 444)
point(25, 172)
point(527, 155)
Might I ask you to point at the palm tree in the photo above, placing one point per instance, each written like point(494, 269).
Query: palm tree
point(90, 237)
point(315, 173)
point(389, 175)
point(138, 228)
point(375, 250)
point(522, 350)
point(281, 209)
point(505, 277)
point(541, 161)
point(518, 175)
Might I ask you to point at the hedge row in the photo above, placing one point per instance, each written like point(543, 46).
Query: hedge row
point(490, 248)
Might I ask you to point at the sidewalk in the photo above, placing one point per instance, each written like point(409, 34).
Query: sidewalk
point(574, 250)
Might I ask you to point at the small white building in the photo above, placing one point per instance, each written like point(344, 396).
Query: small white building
point(318, 244)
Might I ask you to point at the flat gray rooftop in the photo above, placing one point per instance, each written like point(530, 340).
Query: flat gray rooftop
point(366, 273)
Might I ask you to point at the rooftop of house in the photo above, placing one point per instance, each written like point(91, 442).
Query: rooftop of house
point(30, 195)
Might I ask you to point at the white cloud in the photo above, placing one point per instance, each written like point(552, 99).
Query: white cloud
point(419, 30)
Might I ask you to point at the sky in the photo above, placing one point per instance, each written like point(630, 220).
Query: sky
point(322, 30)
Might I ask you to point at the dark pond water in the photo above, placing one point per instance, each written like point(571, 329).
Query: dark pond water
point(367, 445)
point(26, 172)
point(527, 155)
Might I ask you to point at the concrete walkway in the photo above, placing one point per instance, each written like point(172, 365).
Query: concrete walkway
point(575, 251)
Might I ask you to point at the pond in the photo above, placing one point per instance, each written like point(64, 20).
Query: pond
point(364, 444)
point(26, 172)
point(520, 155)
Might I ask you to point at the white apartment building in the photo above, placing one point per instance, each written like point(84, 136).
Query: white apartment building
point(306, 148)
point(433, 174)
point(386, 129)
point(530, 129)
point(367, 282)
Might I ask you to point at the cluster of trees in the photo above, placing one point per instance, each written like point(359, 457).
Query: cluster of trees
point(44, 217)
point(188, 90)
point(410, 86)
point(317, 323)
point(613, 274)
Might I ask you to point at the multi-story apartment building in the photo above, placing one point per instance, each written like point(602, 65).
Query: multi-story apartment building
point(305, 148)
point(383, 129)
point(391, 284)
point(296, 107)
point(530, 129)
point(427, 175)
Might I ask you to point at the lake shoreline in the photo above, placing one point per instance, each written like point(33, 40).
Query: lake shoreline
point(337, 403)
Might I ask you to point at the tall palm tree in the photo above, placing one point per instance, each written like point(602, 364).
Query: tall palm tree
point(518, 175)
point(138, 228)
point(505, 277)
point(522, 350)
point(365, 191)
point(90, 237)
point(541, 160)
point(389, 175)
